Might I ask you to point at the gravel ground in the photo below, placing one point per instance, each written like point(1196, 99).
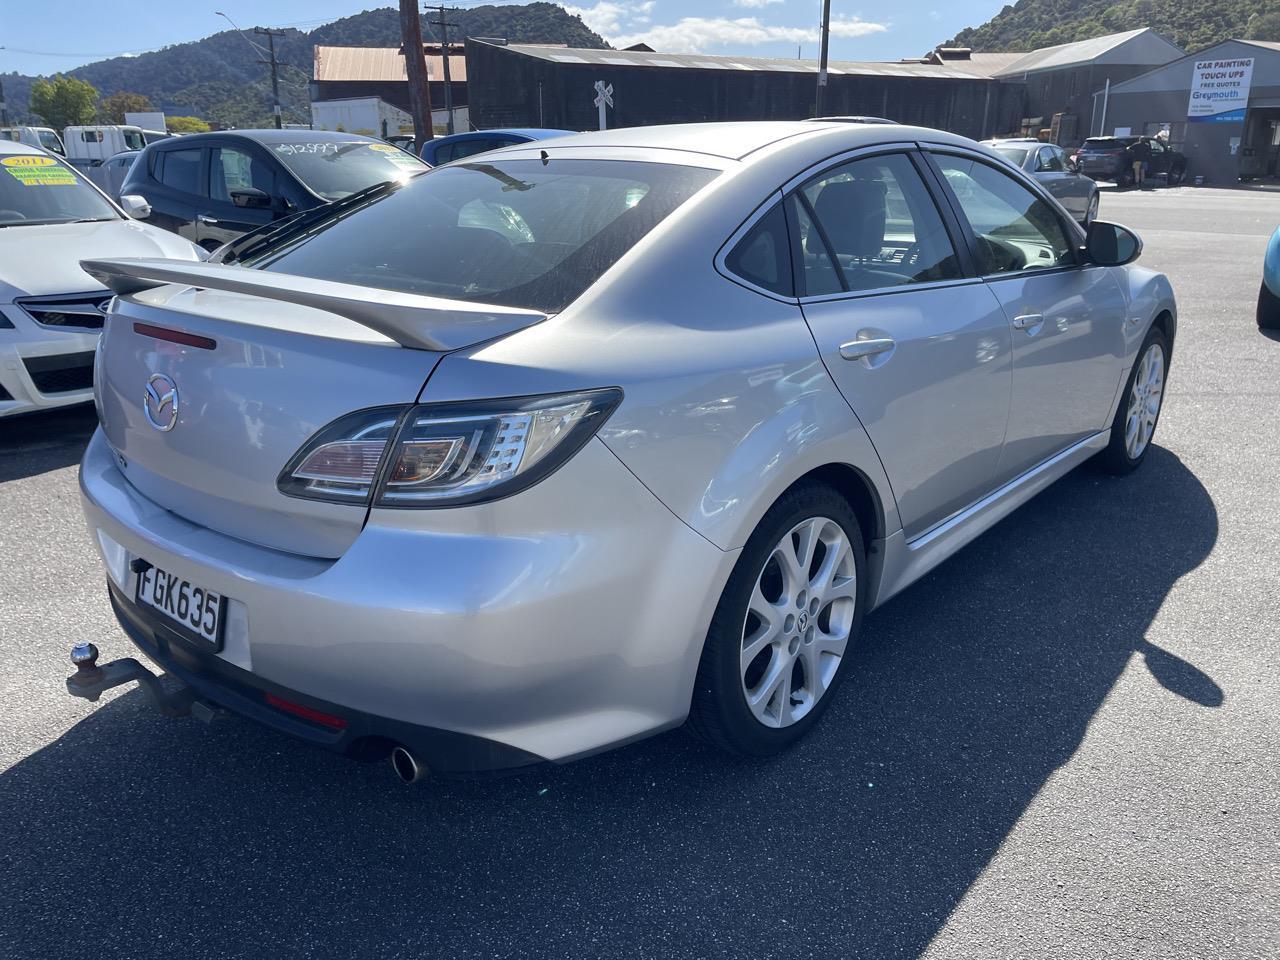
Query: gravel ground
point(1063, 743)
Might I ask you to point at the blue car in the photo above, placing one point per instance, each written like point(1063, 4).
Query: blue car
point(1269, 295)
point(447, 149)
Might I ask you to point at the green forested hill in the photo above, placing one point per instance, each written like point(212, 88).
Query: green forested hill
point(219, 78)
point(1029, 24)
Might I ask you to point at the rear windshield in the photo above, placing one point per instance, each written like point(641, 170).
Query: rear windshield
point(1015, 155)
point(333, 170)
point(36, 189)
point(1109, 143)
point(511, 232)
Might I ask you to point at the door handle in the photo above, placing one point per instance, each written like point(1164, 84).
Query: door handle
point(860, 349)
point(207, 220)
point(1027, 321)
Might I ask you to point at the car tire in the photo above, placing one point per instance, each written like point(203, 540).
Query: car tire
point(1176, 176)
point(1268, 309)
point(1134, 425)
point(805, 638)
point(1091, 214)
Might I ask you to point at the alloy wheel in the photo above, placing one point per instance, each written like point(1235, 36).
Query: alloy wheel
point(1144, 401)
point(798, 622)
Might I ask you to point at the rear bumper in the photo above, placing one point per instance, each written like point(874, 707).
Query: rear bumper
point(558, 622)
point(41, 368)
point(363, 735)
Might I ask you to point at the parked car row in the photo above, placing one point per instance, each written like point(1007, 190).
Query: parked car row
point(551, 449)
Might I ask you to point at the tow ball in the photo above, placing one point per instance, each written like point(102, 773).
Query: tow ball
point(90, 680)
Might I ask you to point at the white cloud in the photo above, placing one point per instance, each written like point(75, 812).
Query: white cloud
point(696, 34)
point(756, 3)
point(608, 18)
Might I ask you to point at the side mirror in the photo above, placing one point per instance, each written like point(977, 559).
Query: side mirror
point(135, 206)
point(251, 197)
point(1111, 245)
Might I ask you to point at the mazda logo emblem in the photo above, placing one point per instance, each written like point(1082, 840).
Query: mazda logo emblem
point(161, 402)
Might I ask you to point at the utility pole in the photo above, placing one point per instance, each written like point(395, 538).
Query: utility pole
point(819, 101)
point(444, 26)
point(415, 67)
point(4, 109)
point(275, 77)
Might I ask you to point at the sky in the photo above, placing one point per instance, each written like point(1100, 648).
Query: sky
point(43, 38)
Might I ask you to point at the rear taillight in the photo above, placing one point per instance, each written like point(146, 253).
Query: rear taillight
point(441, 455)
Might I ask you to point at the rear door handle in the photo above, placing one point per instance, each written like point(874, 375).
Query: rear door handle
point(207, 220)
point(859, 349)
point(1027, 321)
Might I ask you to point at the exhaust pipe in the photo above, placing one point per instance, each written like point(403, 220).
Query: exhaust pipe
point(406, 765)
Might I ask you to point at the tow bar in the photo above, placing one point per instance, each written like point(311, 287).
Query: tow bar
point(90, 680)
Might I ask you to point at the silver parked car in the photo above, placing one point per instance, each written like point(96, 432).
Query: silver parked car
point(1049, 164)
point(537, 454)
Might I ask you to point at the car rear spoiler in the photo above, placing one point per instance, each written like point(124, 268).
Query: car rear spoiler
point(410, 319)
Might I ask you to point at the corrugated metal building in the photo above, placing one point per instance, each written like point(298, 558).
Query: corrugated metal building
point(1225, 147)
point(523, 85)
point(342, 73)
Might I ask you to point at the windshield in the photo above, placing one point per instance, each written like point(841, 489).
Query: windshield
point(511, 232)
point(50, 141)
point(1015, 155)
point(133, 138)
point(333, 169)
point(37, 189)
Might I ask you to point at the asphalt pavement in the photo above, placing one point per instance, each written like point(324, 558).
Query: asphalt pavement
point(1063, 743)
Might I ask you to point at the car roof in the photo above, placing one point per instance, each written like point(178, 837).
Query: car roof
point(1027, 140)
point(13, 147)
point(736, 139)
point(268, 136)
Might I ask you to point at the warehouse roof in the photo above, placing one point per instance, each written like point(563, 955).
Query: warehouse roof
point(1143, 46)
point(380, 64)
point(697, 61)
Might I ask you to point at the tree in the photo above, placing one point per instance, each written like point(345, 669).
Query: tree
point(187, 125)
point(1264, 26)
point(64, 101)
point(114, 107)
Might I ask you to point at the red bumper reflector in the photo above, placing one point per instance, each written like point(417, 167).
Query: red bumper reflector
point(175, 336)
point(306, 713)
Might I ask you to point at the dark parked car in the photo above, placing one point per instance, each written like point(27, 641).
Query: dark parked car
point(1105, 158)
point(447, 149)
point(1047, 163)
point(213, 187)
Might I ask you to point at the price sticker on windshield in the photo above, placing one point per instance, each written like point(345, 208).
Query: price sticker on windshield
point(38, 171)
point(396, 156)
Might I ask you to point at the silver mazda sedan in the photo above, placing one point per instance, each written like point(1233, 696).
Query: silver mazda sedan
point(541, 453)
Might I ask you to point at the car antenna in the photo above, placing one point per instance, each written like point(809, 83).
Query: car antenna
point(545, 158)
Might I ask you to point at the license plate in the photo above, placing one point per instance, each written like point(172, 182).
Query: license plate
point(197, 608)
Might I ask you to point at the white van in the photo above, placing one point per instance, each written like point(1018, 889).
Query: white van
point(44, 137)
point(97, 143)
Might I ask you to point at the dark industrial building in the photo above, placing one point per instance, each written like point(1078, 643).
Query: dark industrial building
point(1241, 143)
point(1062, 83)
point(525, 85)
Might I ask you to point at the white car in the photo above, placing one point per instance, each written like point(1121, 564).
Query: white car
point(51, 311)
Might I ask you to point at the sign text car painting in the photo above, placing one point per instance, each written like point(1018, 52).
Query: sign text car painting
point(1220, 90)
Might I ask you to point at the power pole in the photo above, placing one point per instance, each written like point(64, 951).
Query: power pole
point(819, 102)
point(444, 26)
point(4, 109)
point(415, 67)
point(275, 76)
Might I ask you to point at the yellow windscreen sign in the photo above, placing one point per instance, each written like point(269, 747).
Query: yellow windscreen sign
point(38, 171)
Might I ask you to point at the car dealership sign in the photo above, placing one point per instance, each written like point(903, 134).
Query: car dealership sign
point(1220, 90)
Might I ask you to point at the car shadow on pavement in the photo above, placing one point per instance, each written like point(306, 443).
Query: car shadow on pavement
point(136, 836)
point(36, 443)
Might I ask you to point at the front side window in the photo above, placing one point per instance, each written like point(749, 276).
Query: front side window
point(36, 189)
point(133, 139)
point(1048, 161)
point(180, 170)
point(231, 169)
point(518, 233)
point(49, 140)
point(1016, 230)
point(879, 224)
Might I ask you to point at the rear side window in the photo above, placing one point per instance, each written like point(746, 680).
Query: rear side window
point(511, 232)
point(880, 223)
point(763, 256)
point(180, 169)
